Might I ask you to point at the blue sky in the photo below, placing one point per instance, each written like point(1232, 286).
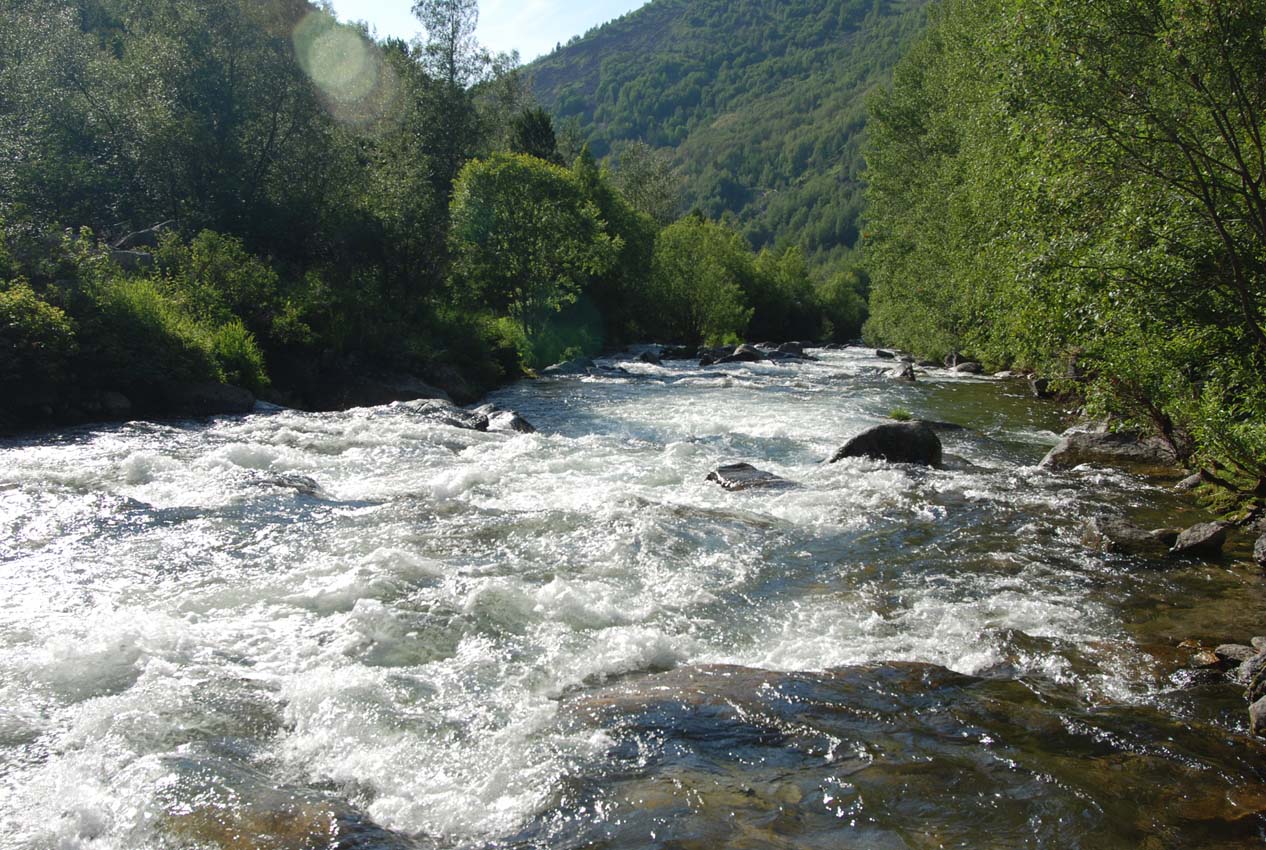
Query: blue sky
point(532, 27)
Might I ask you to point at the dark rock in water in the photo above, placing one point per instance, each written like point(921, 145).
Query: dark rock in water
point(1040, 387)
point(795, 349)
point(1257, 717)
point(447, 413)
point(744, 476)
point(951, 360)
point(970, 369)
point(377, 390)
point(1203, 541)
point(209, 399)
point(504, 420)
point(1235, 653)
point(928, 364)
point(1122, 537)
point(896, 442)
point(744, 354)
point(884, 354)
point(1125, 450)
point(301, 484)
point(1253, 674)
point(905, 373)
point(1259, 551)
point(649, 357)
point(579, 366)
point(115, 405)
point(678, 353)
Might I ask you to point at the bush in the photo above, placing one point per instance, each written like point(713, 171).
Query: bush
point(138, 335)
point(36, 338)
point(238, 357)
point(697, 278)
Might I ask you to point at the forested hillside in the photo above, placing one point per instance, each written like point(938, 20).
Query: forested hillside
point(761, 103)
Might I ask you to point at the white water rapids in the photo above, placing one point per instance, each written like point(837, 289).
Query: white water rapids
point(400, 635)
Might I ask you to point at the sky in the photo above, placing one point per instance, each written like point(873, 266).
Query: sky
point(532, 27)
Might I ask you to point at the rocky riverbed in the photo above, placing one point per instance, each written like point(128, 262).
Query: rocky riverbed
point(540, 624)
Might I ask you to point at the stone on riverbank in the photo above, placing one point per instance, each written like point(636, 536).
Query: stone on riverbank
point(896, 442)
point(1235, 653)
point(1257, 717)
point(1202, 541)
point(1259, 551)
point(970, 369)
point(1127, 450)
point(744, 476)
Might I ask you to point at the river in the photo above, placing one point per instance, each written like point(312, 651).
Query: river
point(371, 630)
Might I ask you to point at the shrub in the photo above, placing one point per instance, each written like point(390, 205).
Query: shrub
point(36, 338)
point(238, 357)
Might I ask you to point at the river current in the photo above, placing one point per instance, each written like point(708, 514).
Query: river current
point(373, 630)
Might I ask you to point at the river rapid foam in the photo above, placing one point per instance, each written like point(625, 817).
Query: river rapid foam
point(366, 629)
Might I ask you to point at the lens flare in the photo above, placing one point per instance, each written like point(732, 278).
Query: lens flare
point(357, 85)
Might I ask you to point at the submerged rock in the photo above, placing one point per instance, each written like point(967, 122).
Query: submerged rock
point(896, 442)
point(744, 476)
point(447, 413)
point(1202, 541)
point(905, 373)
point(1123, 537)
point(1127, 450)
point(504, 420)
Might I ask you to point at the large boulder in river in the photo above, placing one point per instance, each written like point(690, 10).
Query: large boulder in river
point(446, 413)
point(208, 399)
point(895, 442)
point(744, 476)
point(1126, 450)
point(1123, 537)
point(904, 373)
point(1203, 541)
point(504, 420)
point(744, 354)
point(579, 366)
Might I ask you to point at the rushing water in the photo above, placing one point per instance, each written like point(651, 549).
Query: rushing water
point(370, 630)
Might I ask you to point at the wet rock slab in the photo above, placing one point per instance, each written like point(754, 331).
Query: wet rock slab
point(744, 476)
point(1124, 450)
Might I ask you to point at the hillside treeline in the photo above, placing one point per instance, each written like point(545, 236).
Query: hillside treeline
point(328, 207)
point(1078, 188)
point(761, 105)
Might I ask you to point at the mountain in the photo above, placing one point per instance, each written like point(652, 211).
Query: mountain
point(760, 103)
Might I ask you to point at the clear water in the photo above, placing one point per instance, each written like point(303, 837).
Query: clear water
point(367, 630)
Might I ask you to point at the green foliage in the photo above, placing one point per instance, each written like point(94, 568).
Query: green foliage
point(239, 359)
point(900, 414)
point(1055, 183)
point(700, 272)
point(783, 299)
point(36, 339)
point(526, 238)
point(760, 105)
point(842, 302)
point(532, 133)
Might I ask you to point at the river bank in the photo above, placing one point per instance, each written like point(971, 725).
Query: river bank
point(380, 625)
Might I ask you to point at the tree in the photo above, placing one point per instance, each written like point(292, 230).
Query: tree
point(452, 53)
point(532, 133)
point(646, 178)
point(697, 282)
point(525, 237)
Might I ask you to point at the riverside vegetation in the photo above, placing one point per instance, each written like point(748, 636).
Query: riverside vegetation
point(335, 209)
